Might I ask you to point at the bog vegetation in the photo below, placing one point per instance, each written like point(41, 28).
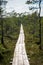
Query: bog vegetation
point(11, 29)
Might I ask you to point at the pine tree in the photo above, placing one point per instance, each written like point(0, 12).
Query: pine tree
point(32, 8)
point(2, 4)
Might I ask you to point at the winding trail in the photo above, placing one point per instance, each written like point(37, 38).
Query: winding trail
point(20, 56)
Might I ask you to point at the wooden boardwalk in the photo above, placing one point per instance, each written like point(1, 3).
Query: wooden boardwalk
point(20, 56)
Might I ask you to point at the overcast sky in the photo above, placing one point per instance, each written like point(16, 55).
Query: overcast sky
point(20, 6)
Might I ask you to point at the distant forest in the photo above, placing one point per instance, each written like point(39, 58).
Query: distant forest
point(11, 29)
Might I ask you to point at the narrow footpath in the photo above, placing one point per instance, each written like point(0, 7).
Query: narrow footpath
point(20, 56)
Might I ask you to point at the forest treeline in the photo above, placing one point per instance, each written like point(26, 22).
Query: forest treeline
point(11, 29)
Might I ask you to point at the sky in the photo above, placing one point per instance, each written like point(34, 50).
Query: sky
point(20, 6)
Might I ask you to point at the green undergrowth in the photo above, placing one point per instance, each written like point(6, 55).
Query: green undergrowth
point(11, 29)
